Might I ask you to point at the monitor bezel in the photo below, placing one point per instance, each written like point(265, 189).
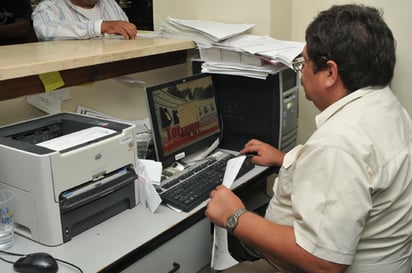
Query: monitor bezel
point(168, 160)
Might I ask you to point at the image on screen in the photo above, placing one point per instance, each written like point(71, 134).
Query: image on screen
point(184, 117)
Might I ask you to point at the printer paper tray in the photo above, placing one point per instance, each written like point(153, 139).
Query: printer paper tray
point(82, 195)
point(79, 214)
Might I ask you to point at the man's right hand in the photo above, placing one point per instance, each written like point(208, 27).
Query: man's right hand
point(265, 154)
point(124, 28)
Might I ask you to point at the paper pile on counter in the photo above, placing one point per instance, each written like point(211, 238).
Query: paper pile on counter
point(239, 69)
point(229, 49)
point(267, 48)
point(201, 32)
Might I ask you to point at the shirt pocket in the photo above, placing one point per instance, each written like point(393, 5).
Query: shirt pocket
point(283, 187)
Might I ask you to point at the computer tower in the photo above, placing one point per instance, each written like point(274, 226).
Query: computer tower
point(262, 109)
point(255, 108)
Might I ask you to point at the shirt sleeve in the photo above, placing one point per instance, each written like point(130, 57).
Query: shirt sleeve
point(114, 11)
point(52, 22)
point(331, 202)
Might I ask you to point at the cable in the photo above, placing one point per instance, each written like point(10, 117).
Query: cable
point(12, 253)
point(70, 264)
point(7, 261)
point(22, 255)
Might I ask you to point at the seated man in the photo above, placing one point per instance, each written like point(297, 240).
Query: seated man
point(15, 22)
point(80, 19)
point(342, 201)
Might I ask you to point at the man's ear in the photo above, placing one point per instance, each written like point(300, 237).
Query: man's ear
point(331, 73)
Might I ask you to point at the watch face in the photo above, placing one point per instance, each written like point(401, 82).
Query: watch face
point(231, 222)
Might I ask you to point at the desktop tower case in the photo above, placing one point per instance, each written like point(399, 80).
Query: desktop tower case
point(255, 108)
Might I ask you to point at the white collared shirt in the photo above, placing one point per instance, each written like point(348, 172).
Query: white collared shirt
point(61, 19)
point(347, 190)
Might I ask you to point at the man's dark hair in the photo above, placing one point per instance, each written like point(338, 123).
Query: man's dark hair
point(358, 40)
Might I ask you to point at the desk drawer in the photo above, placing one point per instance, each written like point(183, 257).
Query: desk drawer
point(191, 250)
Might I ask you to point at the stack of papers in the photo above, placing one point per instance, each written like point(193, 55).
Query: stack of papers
point(249, 55)
point(229, 49)
point(265, 47)
point(201, 32)
point(252, 71)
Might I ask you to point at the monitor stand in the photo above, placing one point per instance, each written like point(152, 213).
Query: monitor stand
point(199, 155)
point(177, 166)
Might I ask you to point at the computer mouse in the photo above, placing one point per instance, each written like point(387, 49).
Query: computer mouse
point(40, 262)
point(250, 154)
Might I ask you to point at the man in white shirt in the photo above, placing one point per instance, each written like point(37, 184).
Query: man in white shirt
point(342, 201)
point(80, 19)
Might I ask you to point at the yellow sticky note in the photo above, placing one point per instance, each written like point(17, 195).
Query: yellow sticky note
point(51, 80)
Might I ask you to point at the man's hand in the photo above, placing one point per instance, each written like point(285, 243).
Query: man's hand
point(124, 28)
point(223, 203)
point(265, 154)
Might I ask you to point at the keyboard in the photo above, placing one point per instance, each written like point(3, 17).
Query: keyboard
point(188, 190)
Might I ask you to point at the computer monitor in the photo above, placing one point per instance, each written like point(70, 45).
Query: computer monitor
point(184, 117)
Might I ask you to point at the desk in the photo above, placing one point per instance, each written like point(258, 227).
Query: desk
point(81, 61)
point(134, 240)
point(128, 240)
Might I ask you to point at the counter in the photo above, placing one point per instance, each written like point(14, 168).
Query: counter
point(81, 61)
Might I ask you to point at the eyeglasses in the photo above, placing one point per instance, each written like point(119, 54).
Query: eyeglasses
point(298, 63)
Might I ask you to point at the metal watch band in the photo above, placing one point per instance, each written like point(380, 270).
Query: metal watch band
point(233, 220)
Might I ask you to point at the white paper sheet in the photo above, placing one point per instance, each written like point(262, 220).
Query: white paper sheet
point(221, 258)
point(49, 102)
point(141, 125)
point(148, 196)
point(76, 138)
point(202, 32)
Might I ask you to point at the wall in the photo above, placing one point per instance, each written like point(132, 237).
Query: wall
point(119, 99)
point(277, 18)
point(108, 96)
point(288, 20)
point(396, 15)
point(126, 101)
point(271, 17)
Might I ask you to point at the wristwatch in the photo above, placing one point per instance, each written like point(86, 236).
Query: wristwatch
point(231, 222)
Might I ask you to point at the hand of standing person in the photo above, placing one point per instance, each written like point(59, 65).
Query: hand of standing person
point(124, 28)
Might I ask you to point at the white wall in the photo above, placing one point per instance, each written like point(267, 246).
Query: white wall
point(278, 18)
point(397, 16)
point(110, 96)
point(271, 17)
point(288, 20)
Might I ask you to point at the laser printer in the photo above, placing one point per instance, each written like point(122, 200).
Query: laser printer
point(68, 172)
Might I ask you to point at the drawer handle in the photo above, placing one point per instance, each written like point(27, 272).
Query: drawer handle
point(176, 267)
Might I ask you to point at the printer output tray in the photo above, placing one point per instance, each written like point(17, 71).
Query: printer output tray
point(91, 204)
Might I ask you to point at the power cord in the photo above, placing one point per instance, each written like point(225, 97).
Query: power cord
point(22, 255)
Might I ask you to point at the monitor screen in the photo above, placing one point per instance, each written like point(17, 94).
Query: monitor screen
point(184, 117)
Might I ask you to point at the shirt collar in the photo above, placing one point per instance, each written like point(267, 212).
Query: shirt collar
point(338, 105)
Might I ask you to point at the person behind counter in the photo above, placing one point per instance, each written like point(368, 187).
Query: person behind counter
point(15, 22)
point(342, 201)
point(80, 19)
